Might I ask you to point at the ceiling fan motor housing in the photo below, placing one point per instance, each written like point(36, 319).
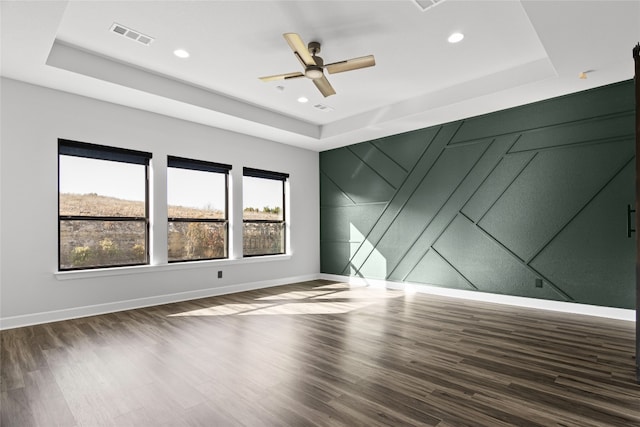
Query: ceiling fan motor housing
point(315, 71)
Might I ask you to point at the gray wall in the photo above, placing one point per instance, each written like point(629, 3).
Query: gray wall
point(498, 203)
point(33, 118)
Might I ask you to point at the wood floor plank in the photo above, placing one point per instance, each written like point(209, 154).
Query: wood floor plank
point(47, 403)
point(16, 410)
point(321, 353)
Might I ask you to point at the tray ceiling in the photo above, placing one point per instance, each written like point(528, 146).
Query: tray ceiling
point(513, 52)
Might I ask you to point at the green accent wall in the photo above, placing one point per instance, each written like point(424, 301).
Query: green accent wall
point(496, 203)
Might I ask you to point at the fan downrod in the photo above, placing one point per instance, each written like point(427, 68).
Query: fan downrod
point(314, 71)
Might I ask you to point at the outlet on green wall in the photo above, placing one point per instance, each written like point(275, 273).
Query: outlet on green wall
point(497, 203)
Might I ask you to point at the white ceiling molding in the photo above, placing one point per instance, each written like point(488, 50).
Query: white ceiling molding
point(71, 58)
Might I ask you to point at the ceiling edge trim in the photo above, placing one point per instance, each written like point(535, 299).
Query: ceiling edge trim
point(75, 59)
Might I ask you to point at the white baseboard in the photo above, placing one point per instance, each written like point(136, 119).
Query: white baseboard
point(112, 307)
point(542, 304)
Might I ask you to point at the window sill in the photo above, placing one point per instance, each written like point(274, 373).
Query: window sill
point(138, 269)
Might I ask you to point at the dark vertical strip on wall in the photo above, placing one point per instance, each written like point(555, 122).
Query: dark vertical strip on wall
point(636, 58)
point(528, 201)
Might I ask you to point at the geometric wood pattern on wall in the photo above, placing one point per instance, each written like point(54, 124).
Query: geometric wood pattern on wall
point(497, 203)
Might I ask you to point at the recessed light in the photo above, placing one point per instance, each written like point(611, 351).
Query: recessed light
point(181, 53)
point(455, 38)
point(303, 99)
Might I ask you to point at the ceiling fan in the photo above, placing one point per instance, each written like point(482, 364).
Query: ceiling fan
point(314, 65)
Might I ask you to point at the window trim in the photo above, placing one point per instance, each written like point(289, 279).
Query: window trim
point(160, 268)
point(85, 150)
point(203, 166)
point(276, 176)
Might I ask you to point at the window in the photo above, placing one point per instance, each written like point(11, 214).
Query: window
point(102, 201)
point(197, 198)
point(263, 231)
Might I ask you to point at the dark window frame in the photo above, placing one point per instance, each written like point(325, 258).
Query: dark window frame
point(102, 152)
point(276, 176)
point(203, 166)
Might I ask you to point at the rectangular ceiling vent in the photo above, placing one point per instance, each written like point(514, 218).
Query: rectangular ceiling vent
point(131, 34)
point(323, 107)
point(427, 4)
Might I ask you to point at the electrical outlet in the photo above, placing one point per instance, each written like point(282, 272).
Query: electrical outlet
point(219, 274)
point(538, 283)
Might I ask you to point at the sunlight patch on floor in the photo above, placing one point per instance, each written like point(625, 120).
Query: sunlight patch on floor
point(221, 310)
point(333, 298)
point(334, 286)
point(361, 293)
point(312, 308)
point(295, 295)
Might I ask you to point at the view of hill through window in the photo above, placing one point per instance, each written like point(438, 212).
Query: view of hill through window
point(263, 229)
point(91, 243)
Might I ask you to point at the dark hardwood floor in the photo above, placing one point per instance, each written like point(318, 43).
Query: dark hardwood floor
point(321, 354)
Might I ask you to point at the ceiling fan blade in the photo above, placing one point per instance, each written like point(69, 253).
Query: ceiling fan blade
point(299, 49)
point(324, 86)
point(281, 77)
point(351, 64)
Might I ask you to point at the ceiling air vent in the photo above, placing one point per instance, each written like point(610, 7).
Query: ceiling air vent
point(131, 34)
point(323, 107)
point(427, 4)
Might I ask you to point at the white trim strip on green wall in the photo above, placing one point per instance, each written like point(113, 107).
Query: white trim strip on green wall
point(541, 304)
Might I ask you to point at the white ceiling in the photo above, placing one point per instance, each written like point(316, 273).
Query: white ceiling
point(513, 53)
